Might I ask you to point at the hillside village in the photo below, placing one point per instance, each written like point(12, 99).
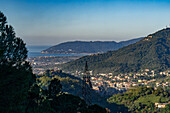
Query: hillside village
point(109, 83)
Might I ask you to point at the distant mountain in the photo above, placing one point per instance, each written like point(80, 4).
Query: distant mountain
point(88, 47)
point(152, 52)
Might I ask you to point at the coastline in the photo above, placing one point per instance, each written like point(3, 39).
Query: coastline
point(39, 54)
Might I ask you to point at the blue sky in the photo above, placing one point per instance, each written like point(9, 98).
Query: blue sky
point(49, 22)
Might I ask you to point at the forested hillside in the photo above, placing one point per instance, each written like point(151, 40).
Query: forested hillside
point(88, 47)
point(143, 99)
point(152, 52)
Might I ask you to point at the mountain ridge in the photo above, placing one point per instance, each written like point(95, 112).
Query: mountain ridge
point(88, 46)
point(151, 52)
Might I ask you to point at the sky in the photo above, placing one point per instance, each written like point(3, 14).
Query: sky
point(49, 22)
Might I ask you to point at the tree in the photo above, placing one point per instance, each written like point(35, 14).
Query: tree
point(34, 93)
point(12, 48)
point(54, 87)
point(16, 75)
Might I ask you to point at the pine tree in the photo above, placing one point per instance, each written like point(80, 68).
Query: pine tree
point(16, 75)
point(13, 50)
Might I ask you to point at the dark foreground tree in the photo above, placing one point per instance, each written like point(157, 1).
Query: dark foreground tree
point(54, 87)
point(16, 75)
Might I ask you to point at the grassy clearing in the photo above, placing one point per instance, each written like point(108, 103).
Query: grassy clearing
point(146, 99)
point(150, 98)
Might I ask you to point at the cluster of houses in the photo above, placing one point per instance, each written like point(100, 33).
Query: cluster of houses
point(108, 84)
point(111, 84)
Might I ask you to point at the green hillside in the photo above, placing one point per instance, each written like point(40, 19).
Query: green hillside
point(151, 52)
point(143, 99)
point(88, 47)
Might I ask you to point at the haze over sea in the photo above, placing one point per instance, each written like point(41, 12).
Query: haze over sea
point(35, 51)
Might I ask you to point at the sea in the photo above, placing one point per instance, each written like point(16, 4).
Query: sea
point(35, 51)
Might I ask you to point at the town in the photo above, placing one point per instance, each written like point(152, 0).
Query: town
point(106, 84)
point(110, 84)
point(40, 64)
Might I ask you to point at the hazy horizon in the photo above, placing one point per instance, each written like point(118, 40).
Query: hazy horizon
point(83, 41)
point(44, 22)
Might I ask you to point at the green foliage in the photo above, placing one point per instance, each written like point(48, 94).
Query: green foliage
point(96, 109)
point(148, 98)
point(53, 100)
point(34, 92)
point(72, 85)
point(68, 103)
point(141, 99)
point(54, 87)
point(151, 53)
point(12, 48)
point(166, 110)
point(14, 88)
point(15, 73)
point(44, 81)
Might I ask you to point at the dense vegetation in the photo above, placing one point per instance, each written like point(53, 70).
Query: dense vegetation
point(143, 99)
point(72, 85)
point(16, 75)
point(88, 47)
point(53, 100)
point(152, 52)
